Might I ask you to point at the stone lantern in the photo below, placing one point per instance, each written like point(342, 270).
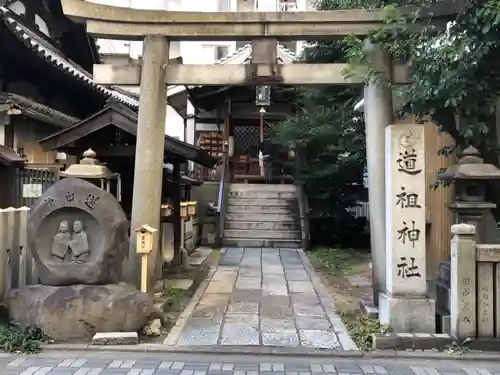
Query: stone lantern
point(469, 204)
point(92, 170)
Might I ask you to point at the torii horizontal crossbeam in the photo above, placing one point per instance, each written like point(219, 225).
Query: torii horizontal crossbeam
point(240, 74)
point(124, 23)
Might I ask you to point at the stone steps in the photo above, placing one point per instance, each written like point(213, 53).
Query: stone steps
point(269, 234)
point(263, 210)
point(247, 188)
point(258, 217)
point(264, 202)
point(262, 216)
point(266, 194)
point(262, 225)
point(256, 242)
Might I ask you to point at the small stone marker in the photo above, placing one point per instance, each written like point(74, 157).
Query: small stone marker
point(405, 307)
point(115, 338)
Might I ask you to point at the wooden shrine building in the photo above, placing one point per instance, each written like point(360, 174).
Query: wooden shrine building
point(111, 133)
point(231, 114)
point(46, 85)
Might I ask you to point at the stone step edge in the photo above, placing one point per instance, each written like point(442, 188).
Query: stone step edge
point(260, 218)
point(265, 241)
point(431, 341)
point(234, 233)
point(115, 338)
point(263, 222)
point(258, 352)
point(413, 341)
point(290, 207)
point(297, 231)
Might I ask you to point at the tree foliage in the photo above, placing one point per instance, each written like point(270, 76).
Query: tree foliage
point(330, 142)
point(455, 83)
point(454, 68)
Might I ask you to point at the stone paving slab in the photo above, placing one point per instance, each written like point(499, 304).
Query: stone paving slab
point(263, 297)
point(127, 364)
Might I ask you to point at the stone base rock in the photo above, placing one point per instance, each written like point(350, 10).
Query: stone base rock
point(115, 338)
point(405, 315)
point(78, 312)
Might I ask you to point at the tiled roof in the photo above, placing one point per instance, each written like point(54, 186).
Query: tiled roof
point(241, 56)
point(55, 58)
point(35, 110)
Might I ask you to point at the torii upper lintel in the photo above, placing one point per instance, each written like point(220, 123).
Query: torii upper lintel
point(110, 21)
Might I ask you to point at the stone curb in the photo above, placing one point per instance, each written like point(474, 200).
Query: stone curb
point(271, 351)
point(175, 332)
point(328, 304)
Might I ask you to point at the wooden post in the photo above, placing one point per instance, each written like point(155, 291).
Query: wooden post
point(177, 214)
point(144, 273)
point(145, 242)
point(463, 281)
point(148, 172)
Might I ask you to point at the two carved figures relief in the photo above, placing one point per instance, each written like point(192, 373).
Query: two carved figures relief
point(70, 247)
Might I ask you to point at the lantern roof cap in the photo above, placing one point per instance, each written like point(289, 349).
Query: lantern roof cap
point(470, 167)
point(89, 168)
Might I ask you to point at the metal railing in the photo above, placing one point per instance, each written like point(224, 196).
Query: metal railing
point(222, 197)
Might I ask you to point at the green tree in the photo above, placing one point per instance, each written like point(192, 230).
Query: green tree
point(329, 138)
point(454, 67)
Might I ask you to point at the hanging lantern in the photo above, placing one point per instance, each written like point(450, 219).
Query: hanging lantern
point(263, 96)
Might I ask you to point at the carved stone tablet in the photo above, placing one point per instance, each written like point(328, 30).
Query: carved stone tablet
point(78, 234)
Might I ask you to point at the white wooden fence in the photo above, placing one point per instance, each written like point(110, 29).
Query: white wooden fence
point(17, 268)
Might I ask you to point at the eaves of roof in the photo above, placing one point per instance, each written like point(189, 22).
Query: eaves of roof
point(55, 58)
point(35, 110)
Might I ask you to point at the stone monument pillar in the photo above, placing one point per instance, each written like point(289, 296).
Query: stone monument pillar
point(463, 281)
point(405, 306)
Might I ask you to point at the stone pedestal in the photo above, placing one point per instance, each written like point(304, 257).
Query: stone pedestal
point(78, 312)
point(407, 314)
point(405, 306)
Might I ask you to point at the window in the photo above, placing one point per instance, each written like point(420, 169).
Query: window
point(292, 46)
point(42, 25)
point(18, 8)
point(223, 5)
point(287, 5)
point(221, 52)
point(241, 43)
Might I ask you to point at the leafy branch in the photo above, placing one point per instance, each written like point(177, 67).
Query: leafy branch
point(455, 75)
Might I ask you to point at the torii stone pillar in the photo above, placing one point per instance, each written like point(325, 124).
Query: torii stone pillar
point(378, 115)
point(148, 173)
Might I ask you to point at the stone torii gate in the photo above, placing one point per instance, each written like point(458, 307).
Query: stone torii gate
point(157, 28)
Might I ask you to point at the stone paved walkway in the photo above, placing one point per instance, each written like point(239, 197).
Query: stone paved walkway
point(269, 297)
point(177, 364)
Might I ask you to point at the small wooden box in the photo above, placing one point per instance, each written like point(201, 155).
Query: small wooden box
point(191, 208)
point(184, 209)
point(145, 238)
